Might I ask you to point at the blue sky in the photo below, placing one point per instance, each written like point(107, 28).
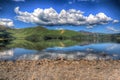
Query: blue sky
point(109, 8)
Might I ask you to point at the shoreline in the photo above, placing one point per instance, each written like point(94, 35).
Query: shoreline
point(60, 69)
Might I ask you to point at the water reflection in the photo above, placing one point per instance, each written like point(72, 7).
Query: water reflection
point(75, 55)
point(98, 51)
point(110, 48)
point(6, 54)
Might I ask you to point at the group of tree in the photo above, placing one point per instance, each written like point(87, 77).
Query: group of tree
point(4, 34)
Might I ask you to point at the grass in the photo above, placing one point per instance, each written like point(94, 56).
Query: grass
point(40, 38)
point(40, 33)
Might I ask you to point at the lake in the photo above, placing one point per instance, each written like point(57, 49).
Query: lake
point(89, 51)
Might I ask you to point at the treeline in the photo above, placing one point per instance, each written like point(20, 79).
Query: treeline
point(116, 37)
point(77, 37)
point(4, 34)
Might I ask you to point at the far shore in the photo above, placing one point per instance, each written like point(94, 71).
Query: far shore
point(60, 69)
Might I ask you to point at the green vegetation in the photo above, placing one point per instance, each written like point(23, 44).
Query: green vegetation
point(116, 37)
point(4, 34)
point(39, 38)
point(38, 34)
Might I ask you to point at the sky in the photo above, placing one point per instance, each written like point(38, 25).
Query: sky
point(101, 16)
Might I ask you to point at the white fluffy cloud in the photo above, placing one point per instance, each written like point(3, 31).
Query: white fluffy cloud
point(115, 21)
point(112, 29)
point(6, 22)
point(50, 17)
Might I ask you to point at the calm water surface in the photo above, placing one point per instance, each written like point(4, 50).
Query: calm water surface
point(91, 51)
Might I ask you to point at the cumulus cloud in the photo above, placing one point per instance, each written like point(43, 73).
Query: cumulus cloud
point(115, 21)
point(6, 22)
point(50, 17)
point(19, 0)
point(112, 29)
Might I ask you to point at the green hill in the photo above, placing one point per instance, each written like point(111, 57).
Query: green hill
point(37, 34)
point(40, 38)
point(40, 33)
point(4, 34)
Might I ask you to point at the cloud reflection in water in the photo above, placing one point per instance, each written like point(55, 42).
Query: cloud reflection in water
point(102, 51)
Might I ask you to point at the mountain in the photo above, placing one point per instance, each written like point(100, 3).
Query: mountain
point(37, 34)
point(40, 33)
point(3, 33)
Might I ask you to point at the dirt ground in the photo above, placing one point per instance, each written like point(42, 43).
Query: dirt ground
point(60, 70)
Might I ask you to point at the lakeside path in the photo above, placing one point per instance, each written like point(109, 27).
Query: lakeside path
point(60, 70)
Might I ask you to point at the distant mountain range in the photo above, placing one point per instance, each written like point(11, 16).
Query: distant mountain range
point(39, 33)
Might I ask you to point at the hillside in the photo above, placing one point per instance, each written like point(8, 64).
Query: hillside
point(40, 38)
point(40, 33)
point(4, 34)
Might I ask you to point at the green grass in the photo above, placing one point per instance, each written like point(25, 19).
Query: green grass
point(40, 33)
point(39, 38)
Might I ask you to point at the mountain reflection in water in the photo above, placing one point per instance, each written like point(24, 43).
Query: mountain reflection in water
point(97, 51)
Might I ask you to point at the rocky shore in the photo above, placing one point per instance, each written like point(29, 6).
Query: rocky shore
point(60, 70)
